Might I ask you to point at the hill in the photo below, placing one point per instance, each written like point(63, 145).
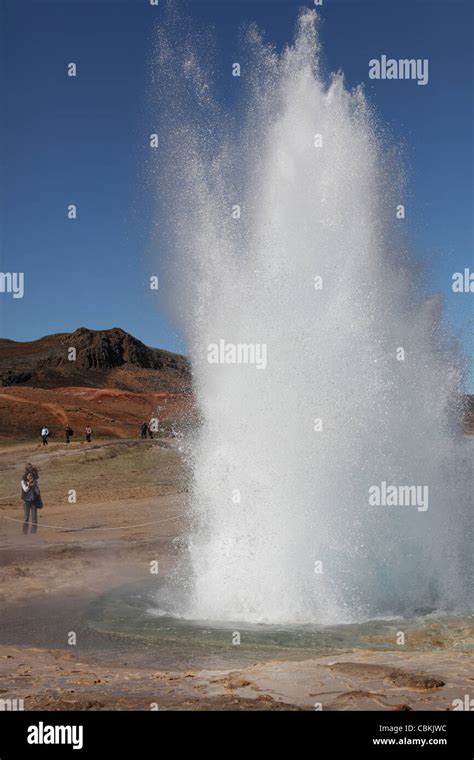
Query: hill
point(94, 359)
point(111, 381)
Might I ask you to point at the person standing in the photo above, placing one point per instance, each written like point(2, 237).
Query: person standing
point(88, 433)
point(69, 432)
point(31, 495)
point(144, 429)
point(44, 435)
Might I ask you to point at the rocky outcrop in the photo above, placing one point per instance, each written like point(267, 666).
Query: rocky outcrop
point(103, 358)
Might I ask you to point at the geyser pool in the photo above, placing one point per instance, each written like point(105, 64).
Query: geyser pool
point(149, 612)
point(280, 216)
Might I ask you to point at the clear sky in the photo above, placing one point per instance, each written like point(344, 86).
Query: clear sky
point(84, 140)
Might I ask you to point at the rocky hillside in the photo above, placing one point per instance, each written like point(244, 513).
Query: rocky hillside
point(101, 358)
point(111, 381)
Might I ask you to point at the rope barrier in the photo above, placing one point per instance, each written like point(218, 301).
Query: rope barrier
point(121, 527)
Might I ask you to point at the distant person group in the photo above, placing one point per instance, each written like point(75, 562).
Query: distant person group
point(69, 432)
point(147, 430)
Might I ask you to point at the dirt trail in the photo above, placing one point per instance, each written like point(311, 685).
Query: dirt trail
point(10, 396)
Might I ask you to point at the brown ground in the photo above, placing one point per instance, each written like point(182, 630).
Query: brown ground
point(110, 412)
point(100, 542)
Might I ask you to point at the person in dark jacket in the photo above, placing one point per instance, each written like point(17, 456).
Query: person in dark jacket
point(69, 432)
point(144, 429)
point(31, 495)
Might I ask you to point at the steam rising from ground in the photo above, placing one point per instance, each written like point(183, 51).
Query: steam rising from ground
point(306, 211)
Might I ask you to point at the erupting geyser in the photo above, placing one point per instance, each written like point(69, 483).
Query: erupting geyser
point(282, 227)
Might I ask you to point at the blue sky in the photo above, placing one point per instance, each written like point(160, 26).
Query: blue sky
point(84, 141)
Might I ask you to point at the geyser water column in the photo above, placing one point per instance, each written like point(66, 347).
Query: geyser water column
point(281, 224)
